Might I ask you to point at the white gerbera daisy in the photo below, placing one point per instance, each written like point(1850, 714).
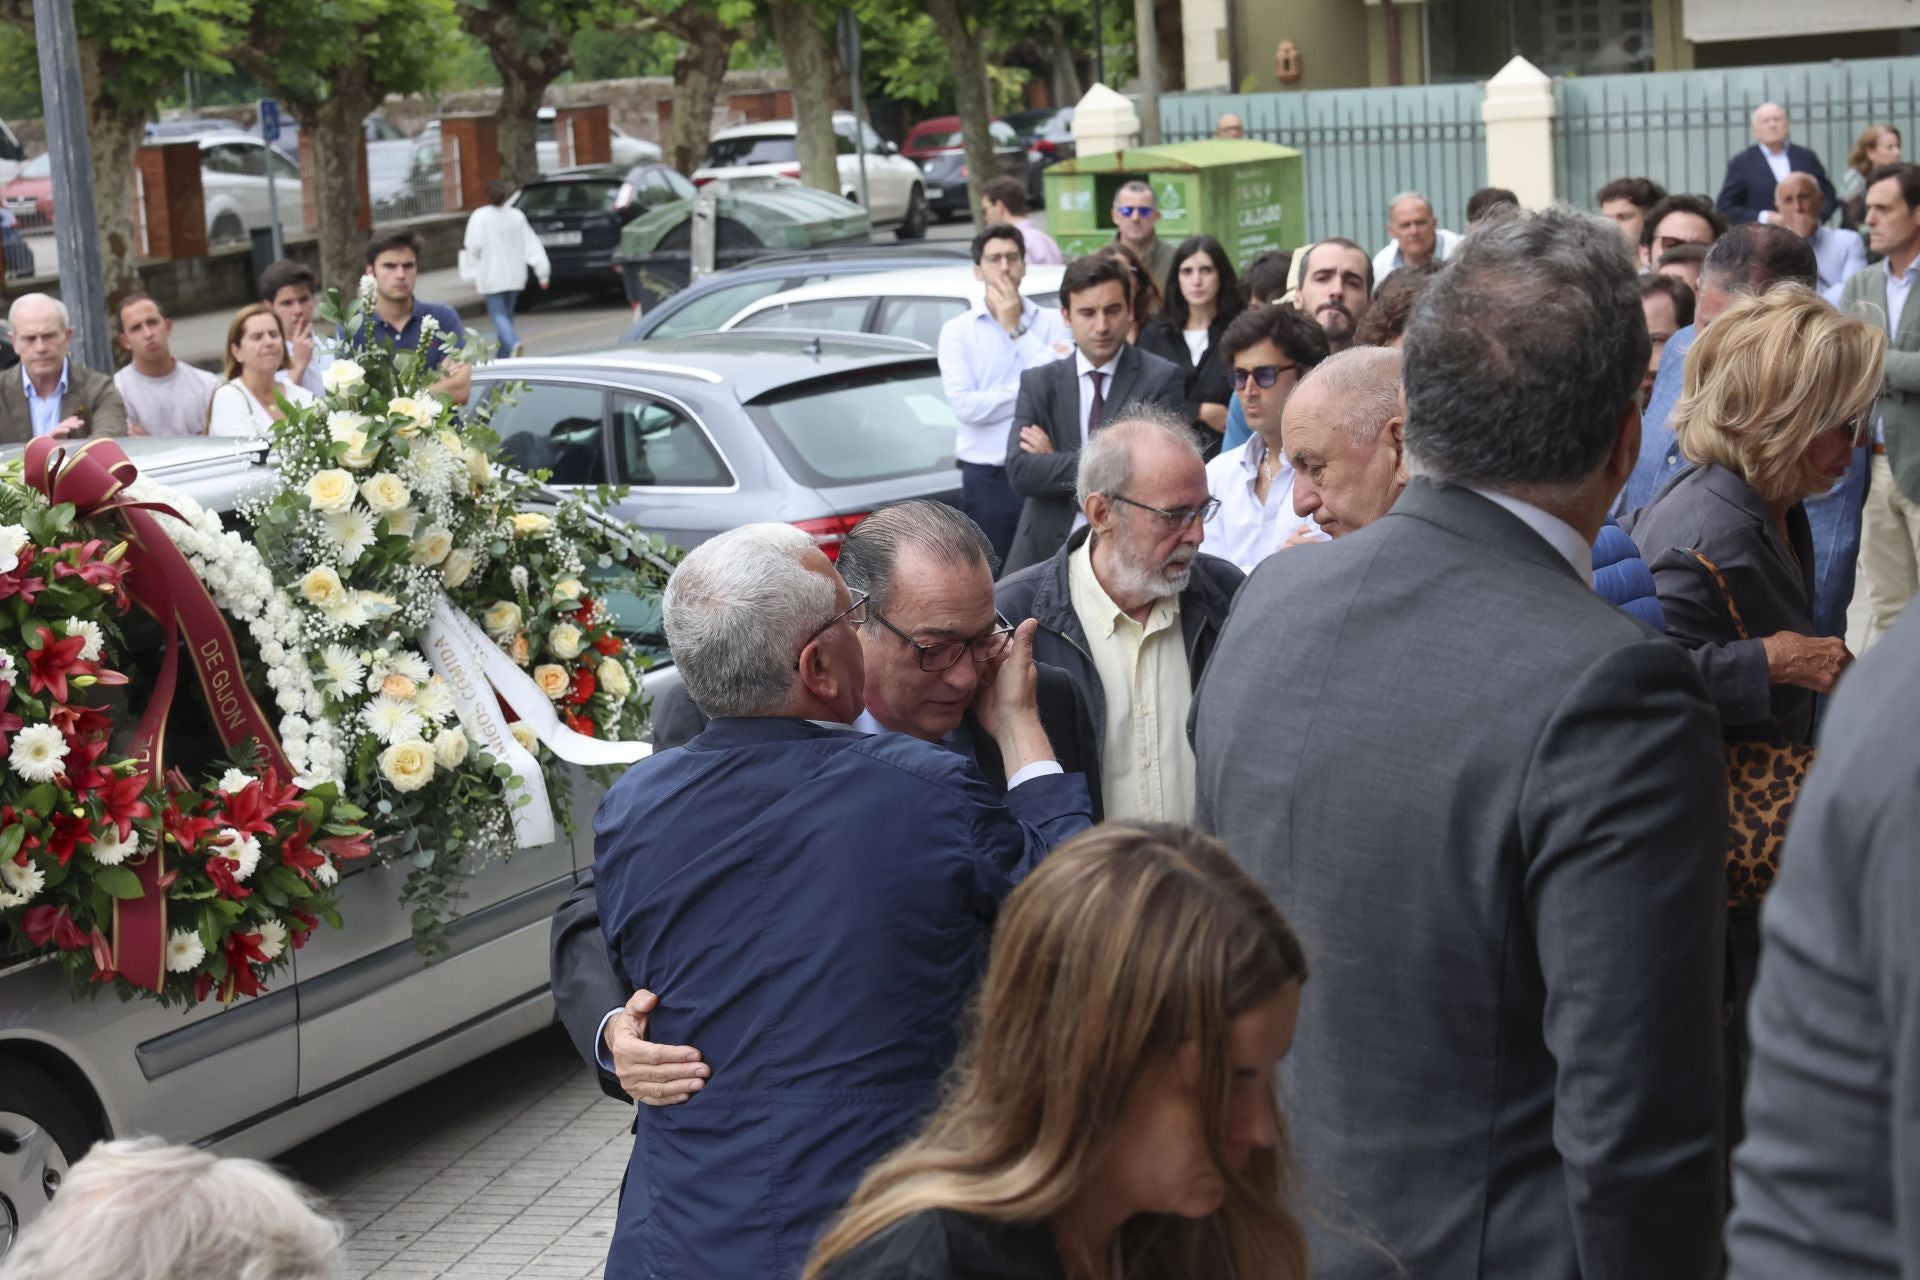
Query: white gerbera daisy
point(233, 782)
point(39, 751)
point(21, 883)
point(109, 850)
point(184, 951)
point(391, 719)
point(351, 531)
point(240, 846)
point(94, 636)
point(434, 700)
point(342, 670)
point(273, 938)
point(326, 875)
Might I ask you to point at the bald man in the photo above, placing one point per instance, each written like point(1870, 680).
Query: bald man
point(1230, 126)
point(1753, 175)
point(1838, 252)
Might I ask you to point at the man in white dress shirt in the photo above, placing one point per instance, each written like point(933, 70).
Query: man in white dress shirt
point(982, 355)
point(1415, 236)
point(1269, 351)
point(1837, 251)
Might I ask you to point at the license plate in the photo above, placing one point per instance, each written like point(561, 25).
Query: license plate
point(559, 237)
point(935, 193)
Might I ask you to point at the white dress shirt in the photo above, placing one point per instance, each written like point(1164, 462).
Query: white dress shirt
point(1559, 535)
point(1389, 260)
point(1246, 530)
point(1838, 253)
point(980, 368)
point(957, 743)
point(1778, 161)
point(44, 414)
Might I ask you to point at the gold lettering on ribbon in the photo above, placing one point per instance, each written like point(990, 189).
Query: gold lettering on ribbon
point(221, 684)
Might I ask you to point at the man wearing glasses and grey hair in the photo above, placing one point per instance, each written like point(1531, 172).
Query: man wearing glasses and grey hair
point(1131, 606)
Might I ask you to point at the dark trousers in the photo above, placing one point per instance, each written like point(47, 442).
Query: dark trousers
point(992, 504)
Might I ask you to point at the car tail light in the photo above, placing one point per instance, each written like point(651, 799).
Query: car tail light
point(828, 532)
point(1043, 146)
point(963, 173)
point(791, 171)
point(701, 180)
point(625, 197)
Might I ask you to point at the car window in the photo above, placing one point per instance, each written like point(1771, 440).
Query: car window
point(917, 318)
point(1004, 136)
point(426, 159)
point(657, 188)
point(284, 169)
point(933, 140)
point(851, 429)
point(843, 144)
point(543, 131)
point(223, 159)
point(547, 199)
point(705, 314)
point(556, 426)
point(874, 140)
point(727, 153)
point(847, 315)
point(660, 446)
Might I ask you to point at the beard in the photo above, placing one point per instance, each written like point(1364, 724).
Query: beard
point(1335, 320)
point(1137, 577)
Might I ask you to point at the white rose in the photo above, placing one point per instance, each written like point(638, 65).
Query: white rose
point(524, 735)
point(552, 679)
point(501, 619)
point(330, 490)
point(450, 748)
point(343, 377)
point(458, 567)
point(13, 540)
point(479, 468)
point(613, 677)
point(433, 546)
point(567, 589)
point(322, 588)
point(415, 414)
point(358, 454)
point(526, 523)
point(403, 522)
point(407, 765)
point(565, 641)
point(385, 492)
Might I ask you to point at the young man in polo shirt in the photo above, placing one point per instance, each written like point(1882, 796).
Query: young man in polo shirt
point(393, 260)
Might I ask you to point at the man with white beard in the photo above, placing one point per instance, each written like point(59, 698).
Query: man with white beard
point(1131, 607)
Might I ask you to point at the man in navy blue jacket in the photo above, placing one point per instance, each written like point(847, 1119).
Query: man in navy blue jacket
point(1747, 195)
point(811, 903)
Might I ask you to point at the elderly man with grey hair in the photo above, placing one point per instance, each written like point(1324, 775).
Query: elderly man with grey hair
point(1131, 607)
point(811, 903)
point(1414, 236)
point(1494, 809)
point(1837, 252)
point(139, 1209)
point(1754, 175)
point(51, 395)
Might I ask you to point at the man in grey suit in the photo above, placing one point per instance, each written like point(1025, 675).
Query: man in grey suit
point(1494, 807)
point(1062, 403)
point(1827, 1182)
point(50, 395)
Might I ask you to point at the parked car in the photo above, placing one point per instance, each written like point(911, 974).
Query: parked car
point(941, 154)
point(29, 196)
point(578, 215)
point(233, 183)
point(183, 127)
point(1048, 133)
point(895, 186)
point(421, 191)
point(716, 431)
point(901, 304)
point(707, 304)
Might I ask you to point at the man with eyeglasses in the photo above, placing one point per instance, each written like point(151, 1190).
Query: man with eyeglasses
point(1130, 607)
point(1268, 350)
point(982, 355)
point(1136, 214)
point(811, 902)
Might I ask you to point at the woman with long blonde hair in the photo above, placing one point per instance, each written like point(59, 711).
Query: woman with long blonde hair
point(1114, 1112)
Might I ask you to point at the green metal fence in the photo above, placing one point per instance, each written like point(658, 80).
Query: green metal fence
point(1362, 147)
point(1680, 127)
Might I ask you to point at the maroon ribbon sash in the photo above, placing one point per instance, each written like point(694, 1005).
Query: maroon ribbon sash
point(94, 479)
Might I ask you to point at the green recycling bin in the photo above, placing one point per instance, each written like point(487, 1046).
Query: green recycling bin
point(1250, 196)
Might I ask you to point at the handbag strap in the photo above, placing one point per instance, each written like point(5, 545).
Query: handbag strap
point(1726, 595)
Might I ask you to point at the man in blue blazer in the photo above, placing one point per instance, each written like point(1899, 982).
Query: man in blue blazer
point(1753, 175)
point(811, 903)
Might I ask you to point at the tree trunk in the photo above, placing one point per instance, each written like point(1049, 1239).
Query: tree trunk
point(1170, 33)
point(970, 95)
point(113, 135)
point(1146, 40)
point(528, 60)
point(698, 74)
point(520, 95)
point(1066, 73)
point(335, 128)
point(809, 63)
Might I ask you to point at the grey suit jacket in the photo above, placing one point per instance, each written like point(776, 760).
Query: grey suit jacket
point(1050, 396)
point(1493, 806)
point(90, 394)
point(1900, 396)
point(1827, 1182)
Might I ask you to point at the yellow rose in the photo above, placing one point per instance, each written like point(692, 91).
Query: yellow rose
point(385, 492)
point(521, 652)
point(523, 734)
point(479, 470)
point(408, 765)
point(398, 686)
point(450, 748)
point(457, 568)
point(552, 679)
point(530, 522)
point(330, 490)
point(323, 589)
point(416, 414)
point(613, 677)
point(358, 454)
point(433, 546)
point(343, 377)
point(569, 589)
point(502, 619)
point(564, 641)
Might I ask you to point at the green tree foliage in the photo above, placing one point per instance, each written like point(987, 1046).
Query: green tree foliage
point(531, 44)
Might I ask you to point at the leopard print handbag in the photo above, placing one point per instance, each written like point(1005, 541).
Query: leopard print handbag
point(1763, 781)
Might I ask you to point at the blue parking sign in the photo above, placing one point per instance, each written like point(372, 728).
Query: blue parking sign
point(269, 120)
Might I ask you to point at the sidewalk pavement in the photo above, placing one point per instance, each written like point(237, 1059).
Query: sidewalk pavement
point(202, 339)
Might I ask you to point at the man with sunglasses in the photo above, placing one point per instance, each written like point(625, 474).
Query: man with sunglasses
point(1136, 214)
point(1680, 219)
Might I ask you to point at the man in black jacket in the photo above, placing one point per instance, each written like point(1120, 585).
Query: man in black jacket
point(1130, 607)
point(930, 635)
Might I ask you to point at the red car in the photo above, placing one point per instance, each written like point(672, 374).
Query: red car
point(29, 197)
point(936, 146)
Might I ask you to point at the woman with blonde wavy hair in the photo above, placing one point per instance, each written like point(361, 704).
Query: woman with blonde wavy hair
point(1114, 1112)
point(1877, 146)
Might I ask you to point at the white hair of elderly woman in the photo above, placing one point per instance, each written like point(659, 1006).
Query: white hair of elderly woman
point(737, 611)
point(141, 1209)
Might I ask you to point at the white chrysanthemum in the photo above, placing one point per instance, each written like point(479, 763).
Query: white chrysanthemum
point(392, 720)
point(351, 531)
point(22, 883)
point(90, 651)
point(184, 951)
point(434, 700)
point(411, 665)
point(13, 540)
point(273, 938)
point(39, 751)
point(109, 850)
point(344, 671)
point(233, 782)
point(343, 424)
point(326, 875)
point(240, 846)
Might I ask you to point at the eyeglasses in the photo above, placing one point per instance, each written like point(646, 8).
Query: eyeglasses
point(1263, 375)
point(1134, 211)
point(1182, 517)
point(1859, 428)
point(945, 655)
point(855, 613)
point(1003, 259)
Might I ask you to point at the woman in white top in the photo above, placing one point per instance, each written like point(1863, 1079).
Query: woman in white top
point(244, 404)
point(500, 249)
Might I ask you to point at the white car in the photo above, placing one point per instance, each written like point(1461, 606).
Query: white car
point(903, 304)
point(896, 188)
point(233, 180)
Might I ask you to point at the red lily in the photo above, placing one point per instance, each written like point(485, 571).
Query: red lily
point(284, 797)
point(50, 664)
point(80, 723)
point(220, 869)
point(20, 582)
point(91, 569)
point(251, 810)
point(103, 970)
point(47, 923)
point(298, 932)
point(243, 952)
point(295, 852)
point(202, 987)
point(9, 723)
point(583, 686)
point(348, 847)
point(81, 770)
point(186, 829)
point(68, 834)
point(123, 799)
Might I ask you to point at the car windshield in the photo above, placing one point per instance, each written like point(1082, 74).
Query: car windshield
point(893, 422)
point(41, 166)
point(728, 153)
point(928, 141)
point(549, 199)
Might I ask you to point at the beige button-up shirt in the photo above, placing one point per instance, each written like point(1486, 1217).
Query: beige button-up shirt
point(1146, 765)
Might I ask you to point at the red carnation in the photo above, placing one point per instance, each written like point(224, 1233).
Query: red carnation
point(46, 923)
point(583, 686)
point(608, 646)
point(584, 615)
point(580, 724)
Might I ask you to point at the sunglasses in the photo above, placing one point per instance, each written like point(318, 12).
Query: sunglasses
point(1263, 376)
point(1134, 210)
point(1664, 243)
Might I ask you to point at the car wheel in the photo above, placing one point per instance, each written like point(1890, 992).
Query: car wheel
point(914, 226)
point(42, 1133)
point(227, 229)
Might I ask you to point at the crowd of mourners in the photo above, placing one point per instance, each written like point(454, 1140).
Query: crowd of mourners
point(1372, 781)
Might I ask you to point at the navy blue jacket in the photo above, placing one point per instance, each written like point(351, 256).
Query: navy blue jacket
point(1748, 189)
point(813, 906)
point(1622, 577)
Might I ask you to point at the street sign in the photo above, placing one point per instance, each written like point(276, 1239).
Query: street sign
point(270, 120)
point(270, 131)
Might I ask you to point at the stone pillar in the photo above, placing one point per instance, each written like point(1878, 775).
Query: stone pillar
point(310, 187)
point(1104, 122)
point(1208, 50)
point(469, 159)
point(169, 207)
point(583, 134)
point(1518, 111)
